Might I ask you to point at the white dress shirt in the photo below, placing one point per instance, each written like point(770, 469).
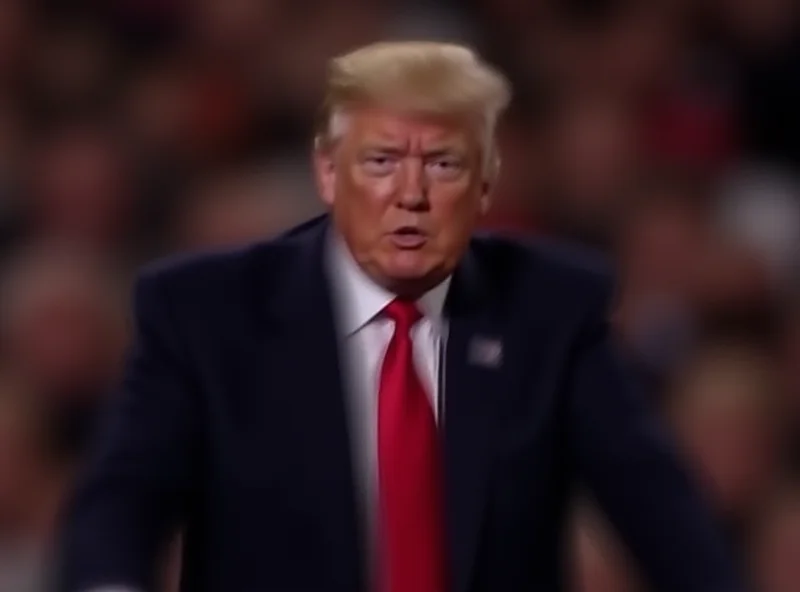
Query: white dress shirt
point(364, 337)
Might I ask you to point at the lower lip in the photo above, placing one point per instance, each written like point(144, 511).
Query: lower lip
point(408, 241)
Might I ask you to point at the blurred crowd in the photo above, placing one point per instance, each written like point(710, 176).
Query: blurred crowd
point(663, 132)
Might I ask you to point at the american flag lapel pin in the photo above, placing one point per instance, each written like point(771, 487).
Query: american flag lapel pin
point(486, 352)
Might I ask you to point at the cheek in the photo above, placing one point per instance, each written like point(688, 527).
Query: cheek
point(382, 190)
point(372, 193)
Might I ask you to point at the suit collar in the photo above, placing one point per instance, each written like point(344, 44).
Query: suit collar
point(307, 277)
point(298, 303)
point(297, 328)
point(290, 282)
point(470, 290)
point(313, 264)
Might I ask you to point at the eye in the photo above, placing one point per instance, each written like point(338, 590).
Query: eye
point(379, 164)
point(445, 167)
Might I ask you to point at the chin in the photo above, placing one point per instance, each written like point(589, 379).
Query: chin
point(411, 274)
point(402, 273)
point(408, 265)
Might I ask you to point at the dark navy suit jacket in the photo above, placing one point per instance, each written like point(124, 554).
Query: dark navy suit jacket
point(231, 422)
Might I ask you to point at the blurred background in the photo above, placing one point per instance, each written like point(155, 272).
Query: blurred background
point(663, 132)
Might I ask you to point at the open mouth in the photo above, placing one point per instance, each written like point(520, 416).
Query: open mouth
point(408, 237)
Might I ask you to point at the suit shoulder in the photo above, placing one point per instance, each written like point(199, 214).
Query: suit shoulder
point(214, 277)
point(204, 269)
point(562, 271)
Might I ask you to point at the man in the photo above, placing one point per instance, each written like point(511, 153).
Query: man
point(377, 400)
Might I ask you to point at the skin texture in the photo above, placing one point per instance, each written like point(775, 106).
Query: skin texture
point(422, 173)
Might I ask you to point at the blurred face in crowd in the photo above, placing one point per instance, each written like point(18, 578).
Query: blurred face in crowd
point(790, 362)
point(776, 547)
point(14, 26)
point(17, 447)
point(759, 24)
point(661, 239)
point(239, 208)
point(405, 191)
point(78, 186)
point(60, 320)
point(725, 418)
point(601, 562)
point(593, 149)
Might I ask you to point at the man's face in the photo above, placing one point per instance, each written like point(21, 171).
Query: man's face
point(406, 192)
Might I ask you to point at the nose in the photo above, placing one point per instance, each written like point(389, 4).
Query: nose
point(413, 192)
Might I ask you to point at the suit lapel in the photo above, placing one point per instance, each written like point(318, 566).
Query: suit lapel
point(476, 376)
point(299, 311)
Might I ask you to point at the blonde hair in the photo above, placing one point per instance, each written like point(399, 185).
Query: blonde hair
point(416, 76)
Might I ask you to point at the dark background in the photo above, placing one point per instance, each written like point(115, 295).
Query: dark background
point(663, 132)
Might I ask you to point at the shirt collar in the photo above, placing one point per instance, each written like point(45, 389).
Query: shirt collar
point(360, 299)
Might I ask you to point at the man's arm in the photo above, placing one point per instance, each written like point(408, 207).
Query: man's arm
point(625, 456)
point(134, 488)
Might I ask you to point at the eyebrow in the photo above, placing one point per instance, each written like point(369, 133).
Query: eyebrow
point(451, 151)
point(396, 149)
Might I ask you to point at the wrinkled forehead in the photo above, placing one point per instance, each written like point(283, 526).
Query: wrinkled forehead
point(407, 129)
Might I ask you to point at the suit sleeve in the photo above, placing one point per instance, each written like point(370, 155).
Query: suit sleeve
point(624, 455)
point(133, 490)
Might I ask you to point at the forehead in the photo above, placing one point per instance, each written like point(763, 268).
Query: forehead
point(386, 126)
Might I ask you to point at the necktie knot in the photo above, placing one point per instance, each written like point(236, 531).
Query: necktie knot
point(404, 313)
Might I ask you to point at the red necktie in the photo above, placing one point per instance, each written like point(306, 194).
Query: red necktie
point(410, 476)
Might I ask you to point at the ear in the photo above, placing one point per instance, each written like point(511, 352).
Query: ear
point(486, 197)
point(489, 182)
point(324, 172)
